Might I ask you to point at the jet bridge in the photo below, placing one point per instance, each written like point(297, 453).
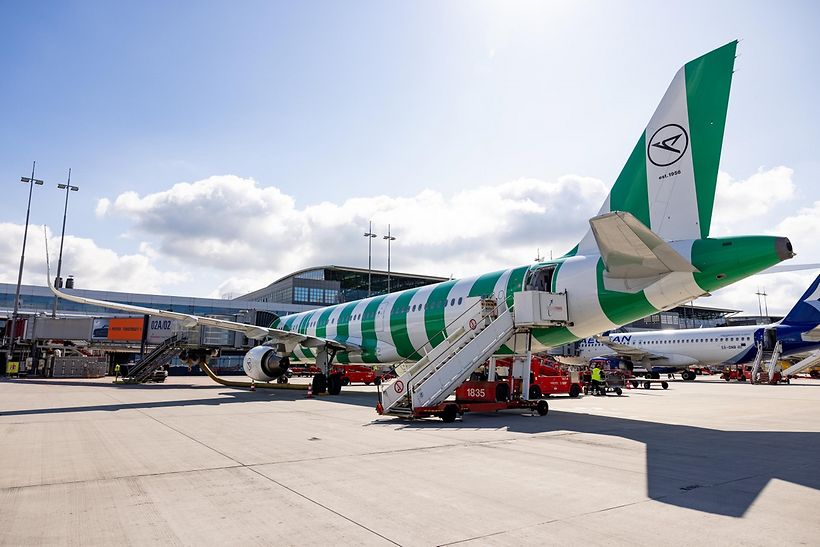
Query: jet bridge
point(465, 345)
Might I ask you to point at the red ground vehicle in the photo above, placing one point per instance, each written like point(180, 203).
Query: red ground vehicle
point(737, 372)
point(361, 374)
point(303, 370)
point(548, 377)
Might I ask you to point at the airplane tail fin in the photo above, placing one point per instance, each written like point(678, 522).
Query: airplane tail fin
point(807, 308)
point(668, 182)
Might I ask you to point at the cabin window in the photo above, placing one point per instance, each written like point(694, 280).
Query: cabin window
point(459, 300)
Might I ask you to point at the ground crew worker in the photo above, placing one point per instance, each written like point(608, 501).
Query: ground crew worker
point(116, 371)
point(597, 378)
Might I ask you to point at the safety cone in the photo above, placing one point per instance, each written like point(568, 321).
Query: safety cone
point(253, 385)
point(309, 391)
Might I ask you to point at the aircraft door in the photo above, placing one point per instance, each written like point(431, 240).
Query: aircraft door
point(540, 279)
point(769, 339)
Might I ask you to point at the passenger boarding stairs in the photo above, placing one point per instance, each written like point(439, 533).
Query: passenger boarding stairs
point(141, 371)
point(474, 337)
point(760, 375)
point(810, 361)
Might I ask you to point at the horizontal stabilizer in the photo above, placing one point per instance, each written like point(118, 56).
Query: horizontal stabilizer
point(630, 250)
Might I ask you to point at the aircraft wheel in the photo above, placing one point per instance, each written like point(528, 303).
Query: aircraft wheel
point(647, 385)
point(665, 385)
point(334, 384)
point(282, 380)
point(542, 408)
point(319, 383)
point(618, 391)
point(634, 384)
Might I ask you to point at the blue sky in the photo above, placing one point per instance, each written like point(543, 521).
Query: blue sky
point(328, 101)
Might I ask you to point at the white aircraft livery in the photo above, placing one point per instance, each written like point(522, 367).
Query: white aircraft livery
point(667, 350)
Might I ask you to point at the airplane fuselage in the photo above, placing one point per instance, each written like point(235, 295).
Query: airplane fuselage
point(679, 348)
point(404, 325)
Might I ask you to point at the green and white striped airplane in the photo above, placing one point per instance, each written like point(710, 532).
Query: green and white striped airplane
point(647, 250)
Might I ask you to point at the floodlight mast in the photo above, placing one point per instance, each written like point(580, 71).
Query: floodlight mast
point(31, 181)
point(369, 235)
point(389, 239)
point(58, 282)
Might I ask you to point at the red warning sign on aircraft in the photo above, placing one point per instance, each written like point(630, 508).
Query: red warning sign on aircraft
point(398, 386)
point(473, 324)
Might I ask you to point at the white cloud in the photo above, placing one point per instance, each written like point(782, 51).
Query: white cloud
point(92, 266)
point(259, 233)
point(738, 201)
point(803, 230)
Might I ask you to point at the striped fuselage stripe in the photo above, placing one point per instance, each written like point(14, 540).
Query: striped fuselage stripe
point(434, 312)
point(369, 338)
point(398, 323)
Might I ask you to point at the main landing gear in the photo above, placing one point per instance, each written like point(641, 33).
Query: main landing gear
point(330, 384)
point(688, 375)
point(325, 382)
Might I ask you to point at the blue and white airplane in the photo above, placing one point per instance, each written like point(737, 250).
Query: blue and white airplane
point(669, 350)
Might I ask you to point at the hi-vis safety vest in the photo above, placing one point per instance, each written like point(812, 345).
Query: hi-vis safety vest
point(116, 368)
point(596, 374)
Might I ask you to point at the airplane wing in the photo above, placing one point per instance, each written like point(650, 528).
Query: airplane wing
point(622, 350)
point(289, 339)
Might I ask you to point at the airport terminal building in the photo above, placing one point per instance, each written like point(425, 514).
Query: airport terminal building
point(326, 285)
point(125, 334)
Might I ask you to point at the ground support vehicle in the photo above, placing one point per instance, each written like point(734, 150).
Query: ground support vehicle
point(481, 396)
point(358, 374)
point(614, 382)
point(548, 377)
point(304, 371)
point(647, 384)
point(740, 373)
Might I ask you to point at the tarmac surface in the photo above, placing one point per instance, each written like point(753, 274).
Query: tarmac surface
point(193, 463)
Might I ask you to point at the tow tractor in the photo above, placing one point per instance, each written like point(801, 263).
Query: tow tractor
point(740, 373)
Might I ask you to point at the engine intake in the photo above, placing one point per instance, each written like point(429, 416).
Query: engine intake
point(262, 364)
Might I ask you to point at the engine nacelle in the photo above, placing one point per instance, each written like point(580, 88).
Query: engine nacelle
point(262, 364)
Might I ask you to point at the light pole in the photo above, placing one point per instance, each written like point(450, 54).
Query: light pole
point(389, 238)
point(31, 181)
point(58, 282)
point(369, 235)
point(762, 293)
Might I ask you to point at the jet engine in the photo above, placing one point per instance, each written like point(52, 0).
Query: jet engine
point(262, 364)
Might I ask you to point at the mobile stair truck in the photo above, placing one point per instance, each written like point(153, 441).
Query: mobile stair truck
point(425, 383)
